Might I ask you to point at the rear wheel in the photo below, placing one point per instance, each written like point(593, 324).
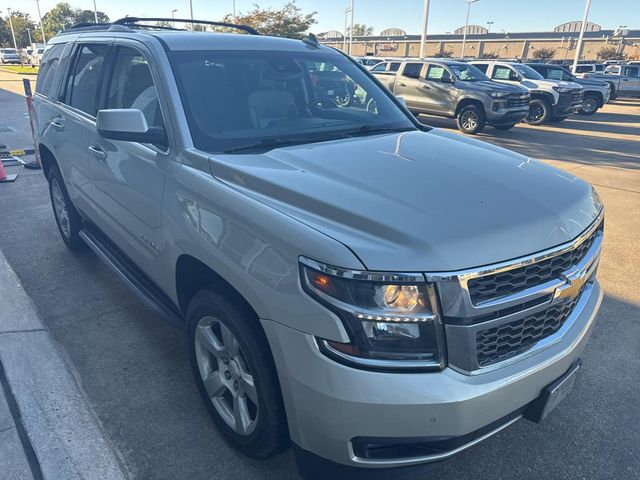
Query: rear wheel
point(539, 112)
point(236, 375)
point(67, 217)
point(504, 127)
point(590, 105)
point(471, 119)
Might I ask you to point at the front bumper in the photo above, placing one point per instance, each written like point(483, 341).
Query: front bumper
point(568, 104)
point(330, 406)
point(505, 117)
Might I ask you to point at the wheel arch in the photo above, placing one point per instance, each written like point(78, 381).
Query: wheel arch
point(540, 95)
point(469, 101)
point(47, 158)
point(598, 95)
point(192, 275)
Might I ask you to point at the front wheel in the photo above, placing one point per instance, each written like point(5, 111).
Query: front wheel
point(235, 374)
point(539, 112)
point(471, 119)
point(589, 105)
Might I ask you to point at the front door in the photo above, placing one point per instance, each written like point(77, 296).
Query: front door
point(441, 91)
point(128, 178)
point(630, 81)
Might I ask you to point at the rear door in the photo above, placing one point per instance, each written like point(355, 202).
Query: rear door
point(75, 117)
point(630, 81)
point(128, 177)
point(410, 86)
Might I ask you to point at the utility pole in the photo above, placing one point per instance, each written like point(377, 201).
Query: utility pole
point(44, 40)
point(466, 26)
point(351, 30)
point(489, 27)
point(425, 20)
point(13, 35)
point(95, 11)
point(29, 34)
point(346, 20)
point(234, 11)
point(191, 10)
point(582, 27)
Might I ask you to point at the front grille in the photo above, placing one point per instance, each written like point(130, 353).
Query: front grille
point(518, 102)
point(491, 287)
point(576, 96)
point(511, 339)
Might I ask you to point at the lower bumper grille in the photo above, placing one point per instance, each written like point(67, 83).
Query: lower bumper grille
point(510, 339)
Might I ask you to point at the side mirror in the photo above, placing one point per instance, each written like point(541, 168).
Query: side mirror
point(129, 125)
point(447, 80)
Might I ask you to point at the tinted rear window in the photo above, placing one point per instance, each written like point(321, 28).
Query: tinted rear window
point(48, 70)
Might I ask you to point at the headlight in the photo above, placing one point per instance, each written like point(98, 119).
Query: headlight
point(391, 319)
point(498, 94)
point(561, 89)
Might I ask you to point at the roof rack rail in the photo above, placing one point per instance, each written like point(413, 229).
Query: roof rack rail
point(128, 21)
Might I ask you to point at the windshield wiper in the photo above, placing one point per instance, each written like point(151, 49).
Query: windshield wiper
point(275, 142)
point(375, 130)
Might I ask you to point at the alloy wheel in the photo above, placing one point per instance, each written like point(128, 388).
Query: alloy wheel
point(589, 105)
point(536, 112)
point(469, 120)
point(225, 374)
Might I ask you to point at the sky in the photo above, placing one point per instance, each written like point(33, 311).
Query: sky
point(444, 15)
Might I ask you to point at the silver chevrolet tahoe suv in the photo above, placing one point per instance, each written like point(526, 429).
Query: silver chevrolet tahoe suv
point(377, 293)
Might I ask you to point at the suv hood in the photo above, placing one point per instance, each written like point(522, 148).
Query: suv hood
point(548, 84)
point(418, 201)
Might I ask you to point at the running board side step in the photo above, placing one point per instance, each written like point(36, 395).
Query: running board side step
point(137, 281)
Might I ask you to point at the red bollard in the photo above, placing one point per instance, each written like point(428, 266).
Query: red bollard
point(4, 177)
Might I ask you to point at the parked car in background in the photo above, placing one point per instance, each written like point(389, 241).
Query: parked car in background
point(583, 68)
point(35, 56)
point(378, 293)
point(369, 62)
point(624, 80)
point(595, 93)
point(454, 89)
point(551, 100)
point(9, 55)
point(389, 66)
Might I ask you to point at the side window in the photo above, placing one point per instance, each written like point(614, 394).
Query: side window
point(394, 66)
point(438, 73)
point(381, 67)
point(48, 69)
point(554, 74)
point(482, 67)
point(503, 73)
point(583, 68)
point(83, 84)
point(631, 71)
point(599, 68)
point(132, 86)
point(412, 70)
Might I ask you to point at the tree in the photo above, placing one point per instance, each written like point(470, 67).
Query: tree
point(362, 30)
point(544, 54)
point(489, 56)
point(63, 16)
point(446, 54)
point(21, 23)
point(610, 53)
point(289, 21)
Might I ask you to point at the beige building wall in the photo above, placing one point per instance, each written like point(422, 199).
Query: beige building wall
point(504, 48)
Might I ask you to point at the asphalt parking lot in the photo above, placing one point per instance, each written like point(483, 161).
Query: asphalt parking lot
point(134, 371)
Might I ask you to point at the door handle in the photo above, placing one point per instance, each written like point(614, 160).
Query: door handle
point(425, 86)
point(97, 152)
point(402, 84)
point(57, 124)
point(625, 79)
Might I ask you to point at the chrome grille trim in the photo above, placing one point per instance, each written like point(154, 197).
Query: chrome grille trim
point(463, 320)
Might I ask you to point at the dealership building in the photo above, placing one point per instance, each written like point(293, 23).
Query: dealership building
point(394, 42)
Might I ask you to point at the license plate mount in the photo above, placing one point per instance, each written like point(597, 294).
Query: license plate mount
point(553, 394)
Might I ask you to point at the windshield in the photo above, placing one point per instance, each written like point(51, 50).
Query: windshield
point(527, 72)
point(244, 100)
point(467, 72)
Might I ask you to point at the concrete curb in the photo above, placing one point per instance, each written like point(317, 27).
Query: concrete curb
point(61, 437)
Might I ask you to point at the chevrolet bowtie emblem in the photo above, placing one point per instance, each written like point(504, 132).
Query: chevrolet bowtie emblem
point(575, 282)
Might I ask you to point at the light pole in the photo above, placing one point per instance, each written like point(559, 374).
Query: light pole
point(466, 26)
point(425, 20)
point(95, 11)
point(351, 29)
point(29, 35)
point(582, 27)
point(13, 35)
point(191, 11)
point(234, 11)
point(489, 27)
point(346, 19)
point(44, 40)
point(173, 15)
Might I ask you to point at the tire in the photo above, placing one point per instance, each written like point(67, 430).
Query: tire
point(539, 112)
point(504, 127)
point(67, 217)
point(471, 119)
point(590, 105)
point(218, 324)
